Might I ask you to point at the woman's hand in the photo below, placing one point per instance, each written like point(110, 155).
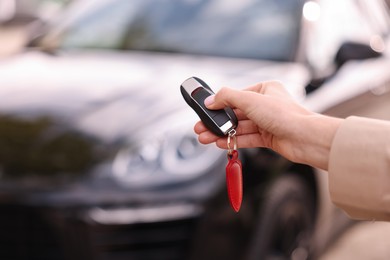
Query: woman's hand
point(269, 117)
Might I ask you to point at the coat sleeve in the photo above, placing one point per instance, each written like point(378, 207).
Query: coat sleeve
point(359, 168)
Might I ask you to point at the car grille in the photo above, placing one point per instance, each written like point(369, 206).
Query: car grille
point(29, 233)
point(164, 240)
point(24, 235)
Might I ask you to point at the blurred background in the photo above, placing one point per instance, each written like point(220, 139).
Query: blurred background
point(97, 155)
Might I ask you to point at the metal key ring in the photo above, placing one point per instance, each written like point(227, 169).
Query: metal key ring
point(232, 134)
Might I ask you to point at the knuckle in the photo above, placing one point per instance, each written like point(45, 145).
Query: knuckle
point(270, 86)
point(223, 94)
point(223, 91)
point(273, 84)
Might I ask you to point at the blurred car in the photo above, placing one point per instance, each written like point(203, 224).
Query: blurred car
point(13, 11)
point(98, 156)
point(25, 12)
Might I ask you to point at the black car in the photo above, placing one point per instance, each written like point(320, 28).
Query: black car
point(97, 153)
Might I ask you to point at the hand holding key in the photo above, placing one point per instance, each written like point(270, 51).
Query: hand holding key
point(269, 117)
point(221, 122)
point(356, 148)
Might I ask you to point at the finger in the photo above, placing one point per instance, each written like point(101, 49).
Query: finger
point(244, 127)
point(200, 128)
point(244, 141)
point(240, 115)
point(208, 137)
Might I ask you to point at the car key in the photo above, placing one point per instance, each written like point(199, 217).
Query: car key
point(220, 122)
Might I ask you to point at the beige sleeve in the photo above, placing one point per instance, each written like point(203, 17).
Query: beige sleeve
point(359, 168)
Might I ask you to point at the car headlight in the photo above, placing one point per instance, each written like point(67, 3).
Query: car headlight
point(172, 156)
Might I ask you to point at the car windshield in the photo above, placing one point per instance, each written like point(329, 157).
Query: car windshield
point(258, 29)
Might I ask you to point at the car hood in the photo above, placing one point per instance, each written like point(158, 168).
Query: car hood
point(110, 98)
point(78, 86)
point(80, 77)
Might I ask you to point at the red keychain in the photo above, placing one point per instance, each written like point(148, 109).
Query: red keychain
point(234, 174)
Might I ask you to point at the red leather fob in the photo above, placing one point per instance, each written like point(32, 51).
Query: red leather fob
point(234, 180)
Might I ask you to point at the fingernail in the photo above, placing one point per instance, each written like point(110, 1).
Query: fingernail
point(209, 100)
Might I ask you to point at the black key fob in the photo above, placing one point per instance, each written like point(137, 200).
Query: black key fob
point(220, 122)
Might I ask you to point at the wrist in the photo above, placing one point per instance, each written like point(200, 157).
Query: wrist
point(316, 139)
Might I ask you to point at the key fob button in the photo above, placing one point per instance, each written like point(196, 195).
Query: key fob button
point(221, 119)
point(200, 95)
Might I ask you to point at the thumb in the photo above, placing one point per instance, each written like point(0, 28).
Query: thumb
point(228, 97)
point(224, 98)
